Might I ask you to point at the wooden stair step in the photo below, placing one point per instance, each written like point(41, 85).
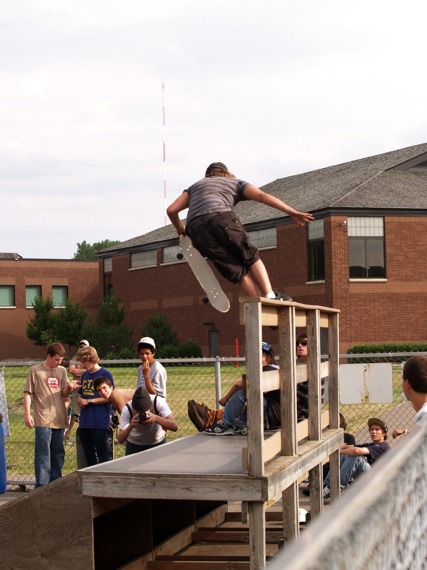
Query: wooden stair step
point(197, 565)
point(215, 535)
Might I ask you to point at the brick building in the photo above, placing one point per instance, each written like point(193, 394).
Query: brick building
point(21, 280)
point(363, 254)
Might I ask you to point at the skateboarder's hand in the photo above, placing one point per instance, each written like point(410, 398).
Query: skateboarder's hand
point(301, 218)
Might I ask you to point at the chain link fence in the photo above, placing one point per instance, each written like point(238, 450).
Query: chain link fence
point(200, 379)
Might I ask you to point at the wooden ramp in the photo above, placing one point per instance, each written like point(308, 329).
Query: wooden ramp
point(170, 501)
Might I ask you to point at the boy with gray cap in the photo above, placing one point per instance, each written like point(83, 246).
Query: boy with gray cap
point(144, 422)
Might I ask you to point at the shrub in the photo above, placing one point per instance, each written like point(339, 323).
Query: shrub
point(190, 349)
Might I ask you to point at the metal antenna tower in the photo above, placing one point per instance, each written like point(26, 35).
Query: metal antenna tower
point(164, 150)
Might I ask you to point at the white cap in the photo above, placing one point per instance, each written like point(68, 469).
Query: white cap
point(85, 342)
point(147, 340)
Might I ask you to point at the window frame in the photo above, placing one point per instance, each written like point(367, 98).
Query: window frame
point(39, 294)
point(149, 255)
point(57, 288)
point(316, 251)
point(366, 232)
point(11, 288)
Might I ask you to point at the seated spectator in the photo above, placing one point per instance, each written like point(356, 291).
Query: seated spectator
point(216, 422)
point(356, 459)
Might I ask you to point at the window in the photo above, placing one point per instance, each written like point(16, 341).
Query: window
point(59, 295)
point(108, 265)
point(264, 238)
point(31, 293)
point(169, 254)
point(144, 259)
point(316, 251)
point(366, 248)
point(7, 295)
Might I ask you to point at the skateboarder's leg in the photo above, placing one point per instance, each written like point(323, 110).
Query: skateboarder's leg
point(256, 283)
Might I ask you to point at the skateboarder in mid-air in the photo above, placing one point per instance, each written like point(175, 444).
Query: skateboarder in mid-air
point(217, 232)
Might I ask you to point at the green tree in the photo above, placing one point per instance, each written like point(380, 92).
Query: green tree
point(109, 334)
point(87, 252)
point(159, 329)
point(48, 324)
point(41, 328)
point(68, 324)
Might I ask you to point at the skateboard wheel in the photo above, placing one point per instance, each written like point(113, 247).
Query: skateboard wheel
point(179, 256)
point(245, 431)
point(205, 300)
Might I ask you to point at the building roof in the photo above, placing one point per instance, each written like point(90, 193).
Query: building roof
point(12, 256)
point(393, 180)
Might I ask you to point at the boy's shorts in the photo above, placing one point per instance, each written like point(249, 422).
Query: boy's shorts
point(223, 240)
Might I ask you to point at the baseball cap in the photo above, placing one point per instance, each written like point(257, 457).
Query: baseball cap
point(378, 422)
point(146, 342)
point(85, 342)
point(141, 401)
point(266, 347)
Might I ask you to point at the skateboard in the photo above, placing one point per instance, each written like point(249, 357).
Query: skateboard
point(204, 275)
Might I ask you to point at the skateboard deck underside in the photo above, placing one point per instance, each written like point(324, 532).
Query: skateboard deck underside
point(204, 275)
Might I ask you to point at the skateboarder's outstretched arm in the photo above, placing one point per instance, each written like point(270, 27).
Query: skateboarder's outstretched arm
point(253, 193)
point(181, 203)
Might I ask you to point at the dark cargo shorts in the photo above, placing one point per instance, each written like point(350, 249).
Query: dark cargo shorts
point(222, 239)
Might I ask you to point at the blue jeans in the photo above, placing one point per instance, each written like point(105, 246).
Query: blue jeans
point(95, 445)
point(235, 408)
point(349, 467)
point(49, 455)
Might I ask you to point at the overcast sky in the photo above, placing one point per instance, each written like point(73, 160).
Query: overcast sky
point(271, 88)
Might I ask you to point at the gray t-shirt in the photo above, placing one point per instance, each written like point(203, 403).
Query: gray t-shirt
point(214, 194)
point(158, 377)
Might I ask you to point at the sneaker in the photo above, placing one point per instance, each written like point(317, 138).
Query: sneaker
point(306, 491)
point(220, 428)
point(326, 493)
point(282, 296)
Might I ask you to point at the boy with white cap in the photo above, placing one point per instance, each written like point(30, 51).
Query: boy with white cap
point(151, 374)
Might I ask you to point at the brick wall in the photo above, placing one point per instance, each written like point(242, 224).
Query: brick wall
point(81, 278)
point(391, 311)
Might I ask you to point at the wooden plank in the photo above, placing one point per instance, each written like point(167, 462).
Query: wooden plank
point(197, 565)
point(214, 557)
point(35, 527)
point(228, 549)
point(253, 340)
point(269, 516)
point(273, 445)
point(233, 536)
point(314, 380)
point(288, 395)
point(316, 490)
point(159, 486)
point(271, 380)
point(257, 538)
point(290, 505)
point(282, 471)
